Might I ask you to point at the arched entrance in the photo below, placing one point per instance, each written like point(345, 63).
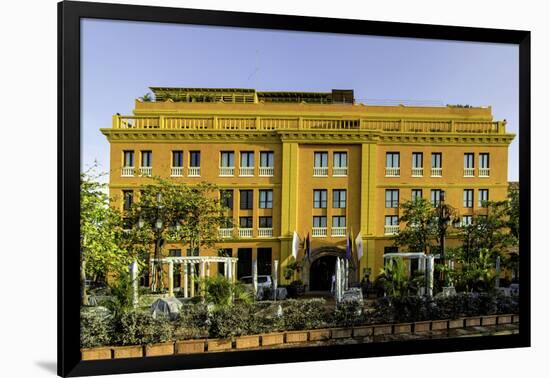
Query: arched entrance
point(321, 272)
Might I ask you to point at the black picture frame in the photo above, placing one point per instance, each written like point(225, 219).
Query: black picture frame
point(69, 136)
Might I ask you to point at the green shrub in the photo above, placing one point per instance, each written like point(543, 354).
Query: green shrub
point(304, 314)
point(232, 321)
point(193, 322)
point(138, 328)
point(96, 327)
point(349, 313)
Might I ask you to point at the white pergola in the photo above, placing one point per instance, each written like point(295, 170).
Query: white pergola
point(187, 265)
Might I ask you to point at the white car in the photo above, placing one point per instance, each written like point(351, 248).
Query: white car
point(263, 281)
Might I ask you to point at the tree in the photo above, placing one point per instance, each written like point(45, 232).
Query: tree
point(420, 232)
point(101, 234)
point(167, 211)
point(513, 211)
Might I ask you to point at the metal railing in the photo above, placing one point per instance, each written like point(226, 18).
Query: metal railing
point(391, 230)
point(246, 171)
point(128, 172)
point(469, 172)
point(437, 172)
point(393, 171)
point(484, 172)
point(340, 171)
point(338, 231)
point(176, 172)
point(267, 171)
point(227, 171)
point(146, 171)
point(319, 232)
point(194, 171)
point(417, 172)
point(320, 171)
point(265, 232)
point(245, 232)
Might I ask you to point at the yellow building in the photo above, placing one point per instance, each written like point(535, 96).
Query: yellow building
point(315, 163)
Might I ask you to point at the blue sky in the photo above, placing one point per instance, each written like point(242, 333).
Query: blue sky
point(121, 60)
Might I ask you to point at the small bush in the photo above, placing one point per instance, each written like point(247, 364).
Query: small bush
point(138, 328)
point(193, 322)
point(304, 314)
point(231, 321)
point(349, 313)
point(96, 327)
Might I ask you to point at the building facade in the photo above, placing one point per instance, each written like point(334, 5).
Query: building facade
point(312, 163)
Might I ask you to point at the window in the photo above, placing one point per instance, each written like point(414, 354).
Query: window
point(128, 158)
point(391, 220)
point(483, 197)
point(468, 198)
point(266, 222)
point(391, 249)
point(417, 158)
point(226, 198)
point(392, 198)
point(416, 194)
point(177, 158)
point(244, 262)
point(319, 221)
point(227, 222)
point(174, 252)
point(224, 252)
point(340, 160)
point(246, 199)
point(392, 159)
point(245, 222)
point(192, 252)
point(320, 160)
point(264, 261)
point(266, 159)
point(339, 198)
point(247, 159)
point(194, 159)
point(466, 220)
point(339, 221)
point(436, 197)
point(469, 160)
point(319, 198)
point(266, 199)
point(227, 159)
point(128, 196)
point(146, 159)
point(436, 160)
point(484, 160)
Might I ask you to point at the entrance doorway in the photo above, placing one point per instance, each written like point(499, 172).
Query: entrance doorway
point(321, 272)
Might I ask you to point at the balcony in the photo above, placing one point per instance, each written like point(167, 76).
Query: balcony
point(194, 172)
point(146, 171)
point(320, 171)
point(127, 172)
point(484, 172)
point(437, 172)
point(227, 171)
point(245, 232)
point(225, 233)
point(392, 171)
point(265, 232)
point(391, 229)
point(417, 172)
point(267, 171)
point(176, 172)
point(338, 231)
point(469, 172)
point(319, 232)
point(339, 171)
point(246, 171)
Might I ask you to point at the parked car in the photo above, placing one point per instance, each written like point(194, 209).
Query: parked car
point(265, 287)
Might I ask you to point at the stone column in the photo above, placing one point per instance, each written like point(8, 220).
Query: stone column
point(338, 283)
point(234, 271)
point(185, 279)
point(134, 278)
point(171, 278)
point(208, 269)
point(346, 273)
point(430, 275)
point(192, 266)
point(274, 277)
point(255, 276)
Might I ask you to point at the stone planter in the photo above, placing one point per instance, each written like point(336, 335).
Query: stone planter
point(319, 335)
point(382, 330)
point(422, 327)
point(402, 328)
point(515, 319)
point(489, 320)
point(341, 333)
point(164, 349)
point(456, 323)
point(504, 319)
point(131, 351)
point(189, 346)
point(272, 339)
point(363, 331)
point(219, 344)
point(243, 342)
point(472, 322)
point(439, 325)
point(100, 353)
point(296, 336)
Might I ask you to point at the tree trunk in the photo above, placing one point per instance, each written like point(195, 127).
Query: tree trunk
point(83, 292)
